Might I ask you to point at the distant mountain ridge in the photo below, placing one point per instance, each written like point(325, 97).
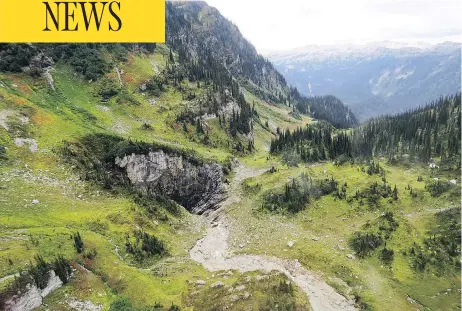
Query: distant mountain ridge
point(359, 51)
point(377, 78)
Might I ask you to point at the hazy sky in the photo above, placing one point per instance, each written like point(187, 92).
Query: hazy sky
point(295, 23)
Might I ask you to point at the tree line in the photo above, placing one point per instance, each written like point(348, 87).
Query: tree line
point(433, 131)
point(328, 108)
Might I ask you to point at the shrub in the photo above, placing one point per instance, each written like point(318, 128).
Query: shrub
point(40, 272)
point(2, 152)
point(78, 243)
point(87, 60)
point(375, 234)
point(150, 202)
point(155, 86)
point(374, 168)
point(107, 88)
point(291, 158)
point(328, 186)
point(342, 159)
point(364, 243)
point(387, 255)
point(146, 127)
point(15, 56)
point(150, 244)
point(144, 245)
point(122, 304)
point(62, 269)
point(441, 249)
point(420, 260)
point(90, 255)
point(388, 224)
point(374, 192)
point(294, 198)
point(298, 193)
point(126, 98)
point(281, 297)
point(361, 303)
point(117, 51)
point(437, 187)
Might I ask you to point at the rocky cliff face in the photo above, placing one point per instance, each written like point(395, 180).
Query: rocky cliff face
point(32, 297)
point(196, 187)
point(201, 30)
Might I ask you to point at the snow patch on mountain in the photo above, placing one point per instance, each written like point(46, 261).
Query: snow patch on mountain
point(376, 78)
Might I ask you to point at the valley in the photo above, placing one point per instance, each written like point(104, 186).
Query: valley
point(376, 78)
point(212, 252)
point(190, 176)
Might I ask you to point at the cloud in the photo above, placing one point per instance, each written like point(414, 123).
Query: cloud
point(295, 23)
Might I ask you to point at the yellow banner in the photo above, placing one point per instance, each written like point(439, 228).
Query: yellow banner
point(82, 21)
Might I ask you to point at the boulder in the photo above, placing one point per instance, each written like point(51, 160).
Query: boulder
point(32, 297)
point(218, 284)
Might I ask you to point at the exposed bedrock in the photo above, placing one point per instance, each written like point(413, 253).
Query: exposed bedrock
point(196, 187)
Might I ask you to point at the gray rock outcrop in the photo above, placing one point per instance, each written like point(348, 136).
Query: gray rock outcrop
point(32, 297)
point(33, 145)
point(196, 187)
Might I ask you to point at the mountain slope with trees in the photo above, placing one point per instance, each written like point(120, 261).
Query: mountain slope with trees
point(432, 131)
point(201, 34)
point(208, 48)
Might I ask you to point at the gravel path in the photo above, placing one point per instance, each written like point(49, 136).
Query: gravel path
point(212, 252)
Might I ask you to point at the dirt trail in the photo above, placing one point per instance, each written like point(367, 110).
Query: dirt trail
point(234, 194)
point(212, 252)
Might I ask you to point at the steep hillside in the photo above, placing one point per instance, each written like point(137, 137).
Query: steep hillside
point(374, 79)
point(140, 177)
point(124, 192)
point(198, 31)
point(205, 39)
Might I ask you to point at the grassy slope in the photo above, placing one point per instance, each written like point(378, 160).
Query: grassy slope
point(333, 221)
point(68, 205)
point(103, 218)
